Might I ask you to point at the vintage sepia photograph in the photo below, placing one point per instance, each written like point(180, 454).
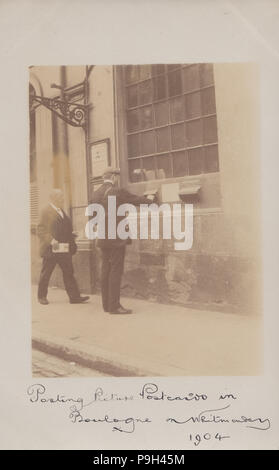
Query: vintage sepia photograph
point(140, 261)
point(145, 223)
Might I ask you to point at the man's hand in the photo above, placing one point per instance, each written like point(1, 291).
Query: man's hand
point(152, 197)
point(55, 244)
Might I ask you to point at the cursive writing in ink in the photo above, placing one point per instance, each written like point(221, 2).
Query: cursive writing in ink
point(125, 425)
point(150, 391)
point(100, 396)
point(37, 394)
point(210, 416)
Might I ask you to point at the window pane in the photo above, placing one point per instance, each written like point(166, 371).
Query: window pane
point(163, 139)
point(175, 83)
point(146, 117)
point(149, 165)
point(157, 69)
point(208, 101)
point(178, 136)
point(159, 85)
point(194, 133)
point(133, 120)
point(191, 78)
point(180, 163)
point(132, 96)
point(161, 113)
point(147, 142)
point(177, 109)
point(144, 72)
point(195, 161)
point(193, 105)
point(207, 74)
point(133, 145)
point(210, 130)
point(172, 103)
point(164, 169)
point(131, 73)
point(134, 173)
point(211, 159)
point(145, 92)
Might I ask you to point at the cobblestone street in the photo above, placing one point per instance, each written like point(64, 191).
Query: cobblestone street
point(46, 365)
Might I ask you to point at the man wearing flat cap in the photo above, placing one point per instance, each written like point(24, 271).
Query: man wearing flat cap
point(113, 250)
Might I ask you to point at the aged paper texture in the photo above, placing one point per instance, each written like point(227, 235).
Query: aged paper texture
point(167, 103)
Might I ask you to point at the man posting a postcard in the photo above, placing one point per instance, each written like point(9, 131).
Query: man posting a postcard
point(57, 246)
point(113, 250)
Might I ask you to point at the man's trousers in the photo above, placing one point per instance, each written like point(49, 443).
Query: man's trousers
point(64, 260)
point(112, 270)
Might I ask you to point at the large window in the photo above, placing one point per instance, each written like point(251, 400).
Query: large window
point(171, 120)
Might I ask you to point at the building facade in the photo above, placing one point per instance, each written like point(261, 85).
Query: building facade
point(188, 132)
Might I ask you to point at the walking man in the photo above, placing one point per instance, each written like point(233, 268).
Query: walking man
point(113, 250)
point(57, 246)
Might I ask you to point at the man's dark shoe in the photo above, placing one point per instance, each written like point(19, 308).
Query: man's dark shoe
point(43, 301)
point(80, 300)
point(121, 311)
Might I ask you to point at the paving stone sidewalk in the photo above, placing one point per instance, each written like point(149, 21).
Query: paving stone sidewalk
point(156, 340)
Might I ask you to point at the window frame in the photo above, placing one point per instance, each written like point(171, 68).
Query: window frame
point(171, 124)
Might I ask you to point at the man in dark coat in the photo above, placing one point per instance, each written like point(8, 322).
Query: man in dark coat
point(57, 246)
point(113, 250)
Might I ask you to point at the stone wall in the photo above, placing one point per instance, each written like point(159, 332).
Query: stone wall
point(213, 274)
point(221, 282)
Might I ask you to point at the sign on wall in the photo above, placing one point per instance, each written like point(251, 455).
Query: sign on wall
point(100, 159)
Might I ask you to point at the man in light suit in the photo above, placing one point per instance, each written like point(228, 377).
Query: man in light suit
point(57, 246)
point(113, 250)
